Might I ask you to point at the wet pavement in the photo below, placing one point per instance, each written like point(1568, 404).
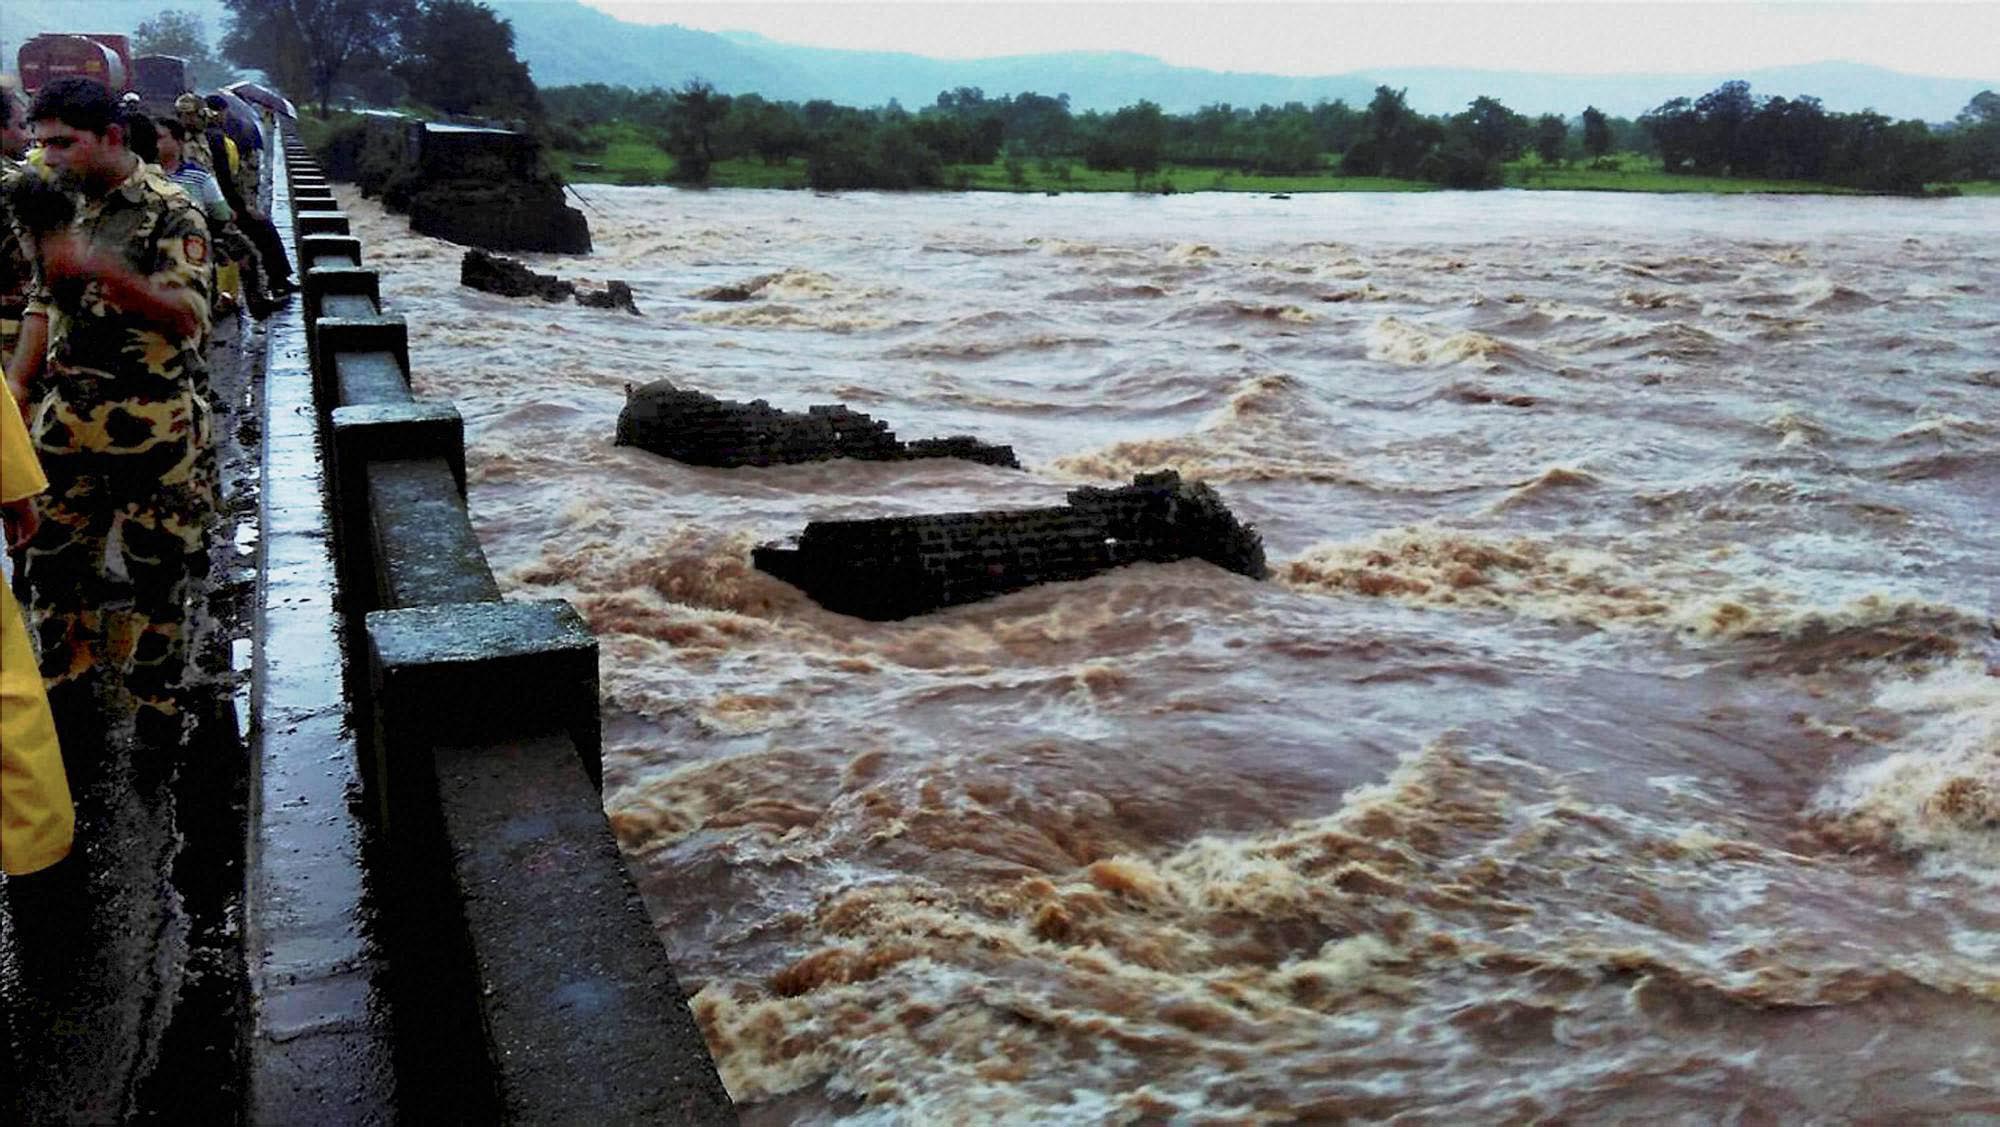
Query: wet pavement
point(122, 984)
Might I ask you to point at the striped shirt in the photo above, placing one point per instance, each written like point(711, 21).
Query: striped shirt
point(201, 187)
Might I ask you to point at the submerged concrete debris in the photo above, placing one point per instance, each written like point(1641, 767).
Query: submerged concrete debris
point(493, 273)
point(894, 567)
point(702, 430)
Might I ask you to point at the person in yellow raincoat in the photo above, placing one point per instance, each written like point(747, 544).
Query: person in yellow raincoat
point(37, 822)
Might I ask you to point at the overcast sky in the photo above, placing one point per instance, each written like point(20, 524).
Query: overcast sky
point(1956, 40)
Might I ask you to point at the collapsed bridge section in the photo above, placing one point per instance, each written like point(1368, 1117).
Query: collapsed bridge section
point(894, 567)
point(702, 430)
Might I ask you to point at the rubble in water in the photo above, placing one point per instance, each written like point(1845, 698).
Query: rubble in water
point(702, 430)
point(497, 274)
point(894, 567)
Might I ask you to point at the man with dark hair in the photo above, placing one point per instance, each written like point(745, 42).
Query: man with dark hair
point(116, 419)
point(141, 135)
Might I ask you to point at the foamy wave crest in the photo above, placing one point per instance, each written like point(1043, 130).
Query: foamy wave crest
point(1213, 312)
point(1938, 792)
point(1675, 340)
point(1554, 482)
point(790, 284)
point(1111, 292)
point(951, 346)
point(1395, 341)
point(1945, 430)
point(1249, 438)
point(1657, 299)
point(1441, 568)
point(693, 567)
point(779, 316)
point(1795, 428)
point(1825, 295)
point(1458, 898)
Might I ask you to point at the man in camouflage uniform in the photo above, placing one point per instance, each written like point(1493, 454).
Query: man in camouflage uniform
point(116, 421)
point(193, 117)
point(16, 272)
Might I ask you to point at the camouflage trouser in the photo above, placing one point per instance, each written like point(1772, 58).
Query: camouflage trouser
point(114, 569)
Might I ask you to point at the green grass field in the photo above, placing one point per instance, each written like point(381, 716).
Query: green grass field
point(1630, 172)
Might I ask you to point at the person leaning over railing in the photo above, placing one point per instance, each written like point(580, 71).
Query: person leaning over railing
point(228, 138)
point(116, 421)
point(207, 195)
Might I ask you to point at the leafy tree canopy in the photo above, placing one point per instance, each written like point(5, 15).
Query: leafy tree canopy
point(458, 56)
point(182, 34)
point(309, 45)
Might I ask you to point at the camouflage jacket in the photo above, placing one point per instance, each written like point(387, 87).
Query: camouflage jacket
point(115, 382)
point(17, 271)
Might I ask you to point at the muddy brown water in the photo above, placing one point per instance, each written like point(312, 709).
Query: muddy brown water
point(1617, 738)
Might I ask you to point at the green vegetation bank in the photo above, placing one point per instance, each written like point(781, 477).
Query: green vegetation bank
point(456, 57)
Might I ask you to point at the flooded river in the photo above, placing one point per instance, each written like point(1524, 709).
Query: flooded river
point(1617, 738)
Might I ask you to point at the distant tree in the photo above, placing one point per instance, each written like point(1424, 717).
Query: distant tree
point(1975, 139)
point(1675, 128)
point(1494, 131)
point(1287, 144)
point(697, 111)
point(1134, 138)
point(1337, 125)
point(459, 57)
point(1457, 163)
point(1017, 165)
point(306, 46)
point(772, 130)
point(1039, 121)
point(183, 34)
point(1395, 138)
point(898, 160)
point(1791, 139)
point(1596, 132)
point(967, 101)
point(1551, 136)
point(1723, 114)
point(1872, 152)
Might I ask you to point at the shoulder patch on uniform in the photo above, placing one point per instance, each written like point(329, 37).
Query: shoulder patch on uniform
point(196, 249)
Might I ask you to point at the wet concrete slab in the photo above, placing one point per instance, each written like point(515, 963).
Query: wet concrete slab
point(321, 1045)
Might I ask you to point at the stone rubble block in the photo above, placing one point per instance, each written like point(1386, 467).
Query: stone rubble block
point(492, 273)
point(701, 430)
point(894, 567)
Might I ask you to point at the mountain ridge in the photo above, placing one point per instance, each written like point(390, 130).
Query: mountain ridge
point(566, 42)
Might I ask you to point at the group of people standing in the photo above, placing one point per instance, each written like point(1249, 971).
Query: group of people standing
point(108, 295)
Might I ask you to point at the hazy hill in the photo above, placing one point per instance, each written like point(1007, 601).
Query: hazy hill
point(566, 42)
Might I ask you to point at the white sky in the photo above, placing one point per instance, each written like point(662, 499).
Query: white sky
point(1955, 40)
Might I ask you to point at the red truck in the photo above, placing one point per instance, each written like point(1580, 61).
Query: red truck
point(106, 58)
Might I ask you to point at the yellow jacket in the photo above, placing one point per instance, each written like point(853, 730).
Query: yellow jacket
point(37, 822)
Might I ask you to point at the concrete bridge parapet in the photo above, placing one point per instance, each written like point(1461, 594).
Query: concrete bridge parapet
point(521, 975)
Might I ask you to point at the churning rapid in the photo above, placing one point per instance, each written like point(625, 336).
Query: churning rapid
point(1618, 736)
